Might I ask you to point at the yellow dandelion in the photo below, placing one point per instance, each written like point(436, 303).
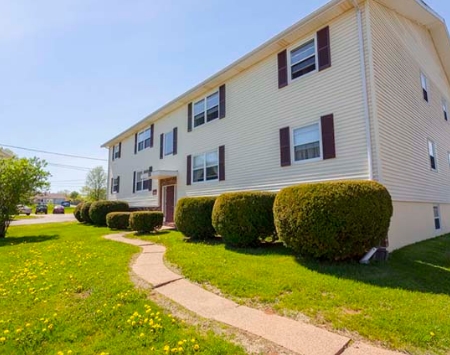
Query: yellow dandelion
point(166, 348)
point(180, 349)
point(28, 325)
point(142, 335)
point(69, 352)
point(2, 339)
point(6, 331)
point(432, 334)
point(50, 327)
point(193, 340)
point(60, 353)
point(196, 347)
point(19, 330)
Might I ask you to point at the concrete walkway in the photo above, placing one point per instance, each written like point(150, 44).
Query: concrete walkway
point(299, 337)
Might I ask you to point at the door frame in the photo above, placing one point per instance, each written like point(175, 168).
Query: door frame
point(164, 194)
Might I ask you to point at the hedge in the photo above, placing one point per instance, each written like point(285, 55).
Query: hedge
point(193, 217)
point(85, 212)
point(242, 218)
point(77, 212)
point(143, 222)
point(333, 220)
point(100, 209)
point(118, 220)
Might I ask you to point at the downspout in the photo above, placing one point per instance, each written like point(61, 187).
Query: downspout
point(364, 85)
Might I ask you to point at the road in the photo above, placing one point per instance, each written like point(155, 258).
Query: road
point(46, 218)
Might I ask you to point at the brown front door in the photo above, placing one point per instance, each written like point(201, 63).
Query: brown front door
point(169, 203)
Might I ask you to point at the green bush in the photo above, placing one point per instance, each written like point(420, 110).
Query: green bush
point(242, 218)
point(118, 220)
point(333, 220)
point(100, 209)
point(77, 212)
point(146, 221)
point(85, 212)
point(193, 217)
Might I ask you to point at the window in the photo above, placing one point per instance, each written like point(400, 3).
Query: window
point(208, 107)
point(303, 59)
point(142, 180)
point(424, 81)
point(116, 152)
point(437, 217)
point(144, 139)
point(307, 143)
point(168, 143)
point(115, 185)
point(445, 109)
point(432, 154)
point(206, 167)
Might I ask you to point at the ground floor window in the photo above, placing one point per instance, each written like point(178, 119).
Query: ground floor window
point(142, 180)
point(206, 167)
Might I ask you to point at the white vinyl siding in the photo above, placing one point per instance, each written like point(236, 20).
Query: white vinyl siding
point(403, 49)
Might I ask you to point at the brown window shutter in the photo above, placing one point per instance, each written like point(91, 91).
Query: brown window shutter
point(161, 146)
point(328, 145)
point(175, 140)
point(152, 133)
point(323, 48)
point(112, 184)
point(188, 169)
point(134, 182)
point(150, 169)
point(118, 184)
point(222, 105)
point(190, 117)
point(135, 143)
point(120, 149)
point(282, 69)
point(285, 146)
point(222, 163)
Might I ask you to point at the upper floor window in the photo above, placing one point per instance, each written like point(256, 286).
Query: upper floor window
point(144, 139)
point(424, 81)
point(142, 180)
point(168, 143)
point(307, 142)
point(432, 155)
point(206, 109)
point(206, 167)
point(445, 109)
point(116, 151)
point(303, 59)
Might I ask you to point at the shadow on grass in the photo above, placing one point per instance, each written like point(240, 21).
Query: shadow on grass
point(421, 267)
point(8, 241)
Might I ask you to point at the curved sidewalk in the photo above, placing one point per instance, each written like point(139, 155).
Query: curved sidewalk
point(299, 337)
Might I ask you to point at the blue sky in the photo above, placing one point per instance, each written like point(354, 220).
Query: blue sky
point(74, 73)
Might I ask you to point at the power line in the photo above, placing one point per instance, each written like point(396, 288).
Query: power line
point(54, 153)
point(72, 167)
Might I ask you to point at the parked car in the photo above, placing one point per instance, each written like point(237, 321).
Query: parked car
point(58, 210)
point(24, 209)
point(65, 203)
point(41, 208)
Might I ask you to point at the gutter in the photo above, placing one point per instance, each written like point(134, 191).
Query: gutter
point(364, 87)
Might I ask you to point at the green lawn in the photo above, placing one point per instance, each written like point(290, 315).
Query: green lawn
point(66, 290)
point(403, 304)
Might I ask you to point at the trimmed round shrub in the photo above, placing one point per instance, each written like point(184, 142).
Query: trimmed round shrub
point(100, 209)
point(118, 220)
point(77, 212)
point(145, 222)
point(333, 220)
point(85, 212)
point(243, 218)
point(193, 217)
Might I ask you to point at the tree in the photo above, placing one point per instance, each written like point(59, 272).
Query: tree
point(74, 195)
point(20, 179)
point(95, 188)
point(64, 192)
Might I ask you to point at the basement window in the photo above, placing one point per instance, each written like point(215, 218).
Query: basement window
point(437, 217)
